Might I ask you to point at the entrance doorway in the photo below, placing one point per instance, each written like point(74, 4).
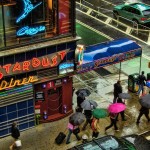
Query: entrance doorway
point(54, 97)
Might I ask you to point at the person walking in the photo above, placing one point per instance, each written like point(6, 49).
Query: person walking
point(117, 90)
point(72, 129)
point(15, 133)
point(113, 119)
point(95, 127)
point(143, 111)
point(88, 116)
point(141, 83)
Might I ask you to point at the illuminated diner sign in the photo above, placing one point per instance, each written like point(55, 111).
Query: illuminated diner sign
point(12, 83)
point(36, 63)
point(66, 67)
point(26, 30)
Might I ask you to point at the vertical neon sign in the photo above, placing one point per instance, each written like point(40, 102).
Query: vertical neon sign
point(26, 30)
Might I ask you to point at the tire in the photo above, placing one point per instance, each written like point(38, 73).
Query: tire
point(115, 14)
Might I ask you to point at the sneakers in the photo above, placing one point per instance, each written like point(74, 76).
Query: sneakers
point(117, 130)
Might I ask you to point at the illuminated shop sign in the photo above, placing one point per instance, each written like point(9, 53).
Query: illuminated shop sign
point(12, 83)
point(28, 7)
point(66, 67)
point(30, 30)
point(79, 54)
point(35, 63)
point(26, 30)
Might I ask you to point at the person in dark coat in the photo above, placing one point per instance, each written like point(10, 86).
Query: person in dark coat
point(141, 83)
point(143, 111)
point(80, 99)
point(117, 90)
point(15, 133)
point(88, 116)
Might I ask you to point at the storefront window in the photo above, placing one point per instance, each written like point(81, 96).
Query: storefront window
point(24, 21)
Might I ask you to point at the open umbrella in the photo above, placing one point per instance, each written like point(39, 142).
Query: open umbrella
point(145, 101)
point(77, 118)
point(99, 113)
point(88, 104)
point(116, 107)
point(83, 92)
point(124, 95)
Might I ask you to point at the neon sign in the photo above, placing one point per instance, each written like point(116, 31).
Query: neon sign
point(35, 63)
point(30, 31)
point(28, 7)
point(66, 67)
point(79, 54)
point(5, 84)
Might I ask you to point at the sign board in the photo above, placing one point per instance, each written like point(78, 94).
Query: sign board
point(66, 67)
point(39, 95)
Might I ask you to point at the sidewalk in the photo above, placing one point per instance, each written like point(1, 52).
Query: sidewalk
point(42, 136)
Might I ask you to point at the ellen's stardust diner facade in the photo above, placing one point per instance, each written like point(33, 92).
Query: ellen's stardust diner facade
point(37, 61)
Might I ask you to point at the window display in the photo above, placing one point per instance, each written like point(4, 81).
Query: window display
point(24, 21)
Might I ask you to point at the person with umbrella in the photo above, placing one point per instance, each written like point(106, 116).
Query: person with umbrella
point(73, 126)
point(81, 94)
point(97, 114)
point(114, 109)
point(88, 106)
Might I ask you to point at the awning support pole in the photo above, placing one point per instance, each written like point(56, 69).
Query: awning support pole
point(119, 70)
point(140, 63)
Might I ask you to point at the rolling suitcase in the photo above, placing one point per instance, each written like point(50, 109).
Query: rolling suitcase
point(60, 138)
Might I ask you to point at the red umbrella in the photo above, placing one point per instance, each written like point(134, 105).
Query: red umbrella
point(116, 107)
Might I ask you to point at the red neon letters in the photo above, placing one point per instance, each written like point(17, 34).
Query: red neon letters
point(47, 61)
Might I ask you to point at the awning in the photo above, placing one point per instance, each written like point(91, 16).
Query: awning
point(109, 53)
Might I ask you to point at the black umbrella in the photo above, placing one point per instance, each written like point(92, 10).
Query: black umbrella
point(88, 104)
point(83, 92)
point(145, 101)
point(77, 118)
point(124, 95)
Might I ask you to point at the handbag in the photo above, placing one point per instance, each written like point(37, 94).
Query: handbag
point(76, 131)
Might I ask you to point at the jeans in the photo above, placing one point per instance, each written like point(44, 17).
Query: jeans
point(141, 87)
point(69, 135)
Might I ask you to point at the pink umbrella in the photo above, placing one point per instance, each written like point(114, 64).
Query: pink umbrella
point(116, 107)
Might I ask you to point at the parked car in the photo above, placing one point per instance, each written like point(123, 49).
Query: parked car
point(129, 142)
point(136, 12)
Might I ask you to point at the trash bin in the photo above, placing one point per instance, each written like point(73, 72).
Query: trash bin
point(132, 82)
point(148, 76)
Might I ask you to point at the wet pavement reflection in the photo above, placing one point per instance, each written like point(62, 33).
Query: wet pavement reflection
point(42, 136)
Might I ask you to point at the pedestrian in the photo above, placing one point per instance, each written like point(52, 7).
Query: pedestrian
point(119, 100)
point(143, 111)
point(88, 116)
point(72, 129)
point(15, 133)
point(113, 119)
point(80, 99)
point(141, 83)
point(117, 90)
point(95, 127)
